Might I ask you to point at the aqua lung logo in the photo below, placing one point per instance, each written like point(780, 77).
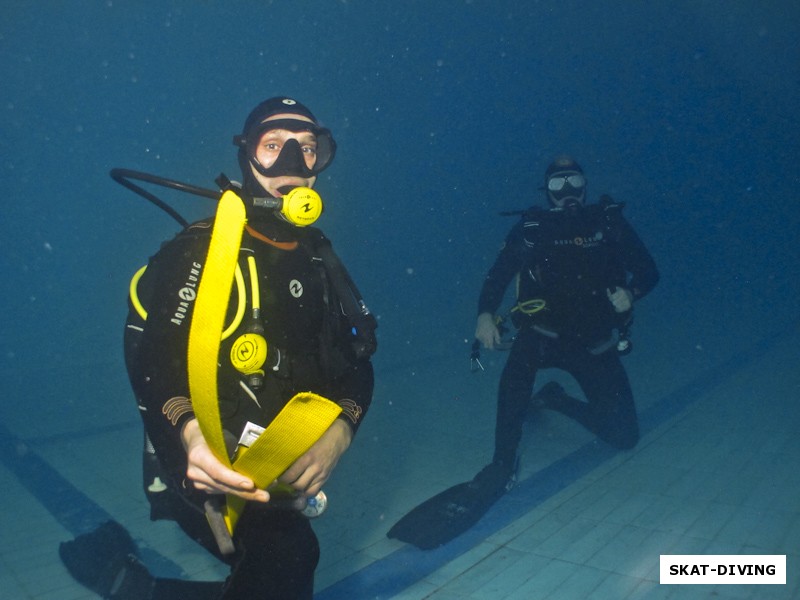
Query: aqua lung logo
point(586, 242)
point(295, 288)
point(187, 294)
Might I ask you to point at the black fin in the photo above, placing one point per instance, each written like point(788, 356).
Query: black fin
point(453, 511)
point(105, 561)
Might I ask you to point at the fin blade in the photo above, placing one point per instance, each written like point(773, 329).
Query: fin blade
point(445, 516)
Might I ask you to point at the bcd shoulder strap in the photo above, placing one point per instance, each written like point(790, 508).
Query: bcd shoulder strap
point(612, 213)
point(362, 322)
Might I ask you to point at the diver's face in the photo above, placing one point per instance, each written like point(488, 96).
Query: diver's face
point(269, 149)
point(566, 188)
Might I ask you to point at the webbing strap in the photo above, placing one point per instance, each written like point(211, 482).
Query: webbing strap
point(299, 424)
point(296, 428)
point(208, 319)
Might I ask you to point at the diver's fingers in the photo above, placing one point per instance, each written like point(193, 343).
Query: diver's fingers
point(309, 481)
point(211, 486)
point(218, 479)
point(486, 330)
point(620, 298)
point(497, 338)
point(491, 338)
point(311, 470)
point(207, 473)
point(488, 336)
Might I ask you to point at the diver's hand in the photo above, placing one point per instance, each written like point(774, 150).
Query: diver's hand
point(310, 472)
point(621, 299)
point(486, 331)
point(207, 473)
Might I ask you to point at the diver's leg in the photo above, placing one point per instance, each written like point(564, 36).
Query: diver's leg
point(609, 411)
point(279, 554)
point(514, 394)
point(619, 423)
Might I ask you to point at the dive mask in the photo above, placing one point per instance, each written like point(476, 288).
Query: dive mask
point(557, 182)
point(566, 189)
point(290, 160)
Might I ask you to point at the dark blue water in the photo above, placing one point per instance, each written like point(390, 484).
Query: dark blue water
point(445, 113)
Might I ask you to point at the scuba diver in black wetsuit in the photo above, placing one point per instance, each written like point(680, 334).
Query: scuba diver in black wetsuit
point(580, 268)
point(296, 300)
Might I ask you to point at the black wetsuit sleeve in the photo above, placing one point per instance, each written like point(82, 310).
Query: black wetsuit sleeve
point(349, 372)
point(353, 392)
point(507, 264)
point(158, 371)
point(637, 261)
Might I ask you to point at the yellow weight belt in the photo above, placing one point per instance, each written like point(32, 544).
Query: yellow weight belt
point(301, 422)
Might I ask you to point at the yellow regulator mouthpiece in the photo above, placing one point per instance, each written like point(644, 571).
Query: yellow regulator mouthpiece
point(249, 353)
point(302, 206)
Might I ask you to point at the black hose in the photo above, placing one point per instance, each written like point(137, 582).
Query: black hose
point(123, 177)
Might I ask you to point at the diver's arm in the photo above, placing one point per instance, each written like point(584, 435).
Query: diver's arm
point(160, 375)
point(352, 391)
point(507, 264)
point(351, 388)
point(497, 280)
point(638, 262)
point(350, 377)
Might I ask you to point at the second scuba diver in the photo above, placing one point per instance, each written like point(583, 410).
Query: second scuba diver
point(580, 268)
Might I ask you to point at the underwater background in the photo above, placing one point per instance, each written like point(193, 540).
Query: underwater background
point(446, 112)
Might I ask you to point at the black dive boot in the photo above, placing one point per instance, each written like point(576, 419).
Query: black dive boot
point(495, 479)
point(105, 561)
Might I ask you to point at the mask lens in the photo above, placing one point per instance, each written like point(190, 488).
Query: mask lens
point(325, 150)
point(557, 183)
point(576, 181)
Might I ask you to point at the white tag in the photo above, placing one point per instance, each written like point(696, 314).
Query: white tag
point(250, 434)
point(726, 568)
